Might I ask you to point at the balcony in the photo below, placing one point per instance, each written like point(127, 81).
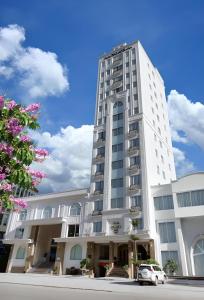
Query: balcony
point(117, 73)
point(98, 192)
point(99, 143)
point(96, 213)
point(133, 169)
point(98, 176)
point(133, 151)
point(116, 85)
point(133, 133)
point(133, 189)
point(135, 211)
point(98, 158)
point(117, 63)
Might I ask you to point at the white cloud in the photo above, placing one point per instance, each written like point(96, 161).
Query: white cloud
point(183, 165)
point(68, 165)
point(186, 119)
point(39, 72)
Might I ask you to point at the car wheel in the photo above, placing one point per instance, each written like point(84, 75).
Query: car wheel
point(164, 280)
point(141, 283)
point(156, 281)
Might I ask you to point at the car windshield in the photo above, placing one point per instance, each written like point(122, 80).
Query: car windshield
point(145, 267)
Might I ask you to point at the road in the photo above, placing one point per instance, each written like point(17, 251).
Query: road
point(13, 291)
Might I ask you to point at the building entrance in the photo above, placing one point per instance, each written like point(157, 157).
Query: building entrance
point(4, 256)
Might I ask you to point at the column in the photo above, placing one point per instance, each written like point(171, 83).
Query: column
point(111, 254)
point(58, 267)
point(130, 257)
point(181, 246)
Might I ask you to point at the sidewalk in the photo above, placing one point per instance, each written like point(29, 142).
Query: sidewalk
point(83, 283)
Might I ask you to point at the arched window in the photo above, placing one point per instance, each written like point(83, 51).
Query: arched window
point(20, 254)
point(76, 253)
point(23, 215)
point(198, 255)
point(75, 209)
point(47, 212)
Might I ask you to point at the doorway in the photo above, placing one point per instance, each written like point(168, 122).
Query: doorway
point(123, 255)
point(4, 256)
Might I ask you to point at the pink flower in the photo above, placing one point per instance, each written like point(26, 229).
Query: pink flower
point(20, 202)
point(13, 126)
point(6, 148)
point(37, 174)
point(2, 176)
point(41, 152)
point(32, 107)
point(6, 187)
point(11, 104)
point(1, 102)
point(25, 138)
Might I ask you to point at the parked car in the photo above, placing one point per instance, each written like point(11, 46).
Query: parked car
point(151, 273)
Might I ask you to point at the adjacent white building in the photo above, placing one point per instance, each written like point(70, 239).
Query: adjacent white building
point(133, 189)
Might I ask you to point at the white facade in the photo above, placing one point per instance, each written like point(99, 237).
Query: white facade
point(132, 180)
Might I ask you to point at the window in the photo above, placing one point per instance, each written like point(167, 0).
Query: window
point(153, 110)
point(127, 75)
point(20, 254)
point(98, 205)
point(73, 230)
point(134, 83)
point(102, 74)
point(135, 143)
point(118, 164)
point(47, 212)
point(167, 232)
point(75, 209)
point(163, 202)
point(159, 130)
point(76, 253)
point(136, 201)
point(135, 180)
point(133, 126)
point(19, 233)
point(167, 255)
point(117, 147)
point(134, 61)
point(135, 160)
point(164, 175)
point(108, 82)
point(101, 135)
point(119, 78)
point(100, 108)
point(117, 104)
point(100, 168)
point(23, 215)
point(155, 137)
point(118, 182)
point(4, 219)
point(136, 110)
point(101, 151)
point(135, 96)
point(107, 94)
point(102, 85)
point(118, 90)
point(134, 72)
point(157, 118)
point(160, 143)
point(104, 252)
point(162, 158)
point(99, 186)
point(193, 198)
point(117, 203)
point(156, 152)
point(128, 86)
point(101, 96)
point(97, 226)
point(118, 117)
point(99, 121)
point(108, 72)
point(158, 171)
point(127, 64)
point(118, 131)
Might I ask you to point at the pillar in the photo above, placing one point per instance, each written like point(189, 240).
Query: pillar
point(130, 257)
point(58, 266)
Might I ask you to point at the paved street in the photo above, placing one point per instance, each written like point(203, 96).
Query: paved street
point(43, 287)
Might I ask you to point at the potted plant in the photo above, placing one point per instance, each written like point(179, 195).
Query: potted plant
point(115, 226)
point(171, 267)
point(135, 223)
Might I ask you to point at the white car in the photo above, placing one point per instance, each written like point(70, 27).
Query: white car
point(151, 273)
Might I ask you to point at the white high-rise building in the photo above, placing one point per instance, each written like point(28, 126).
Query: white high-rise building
point(132, 147)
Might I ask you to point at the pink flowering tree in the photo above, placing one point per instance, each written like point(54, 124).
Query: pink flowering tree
point(17, 152)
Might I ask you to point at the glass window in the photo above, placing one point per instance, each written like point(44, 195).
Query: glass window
point(136, 201)
point(163, 202)
point(118, 131)
point(135, 180)
point(47, 212)
point(117, 104)
point(73, 230)
point(127, 64)
point(76, 253)
point(99, 185)
point(167, 232)
point(100, 108)
point(134, 72)
point(134, 143)
point(193, 198)
point(134, 84)
point(101, 135)
point(118, 182)
point(23, 215)
point(128, 86)
point(168, 255)
point(75, 209)
point(135, 160)
point(134, 61)
point(100, 168)
point(97, 226)
point(20, 254)
point(117, 203)
point(98, 205)
point(118, 117)
point(117, 147)
point(133, 126)
point(118, 164)
point(19, 233)
point(101, 151)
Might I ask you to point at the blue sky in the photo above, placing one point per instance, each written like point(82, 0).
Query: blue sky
point(78, 32)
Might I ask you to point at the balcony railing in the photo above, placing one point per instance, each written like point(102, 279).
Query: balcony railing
point(133, 133)
point(117, 73)
point(132, 189)
point(133, 150)
point(98, 192)
point(99, 142)
point(98, 158)
point(133, 169)
point(98, 175)
point(96, 213)
point(116, 85)
point(117, 63)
